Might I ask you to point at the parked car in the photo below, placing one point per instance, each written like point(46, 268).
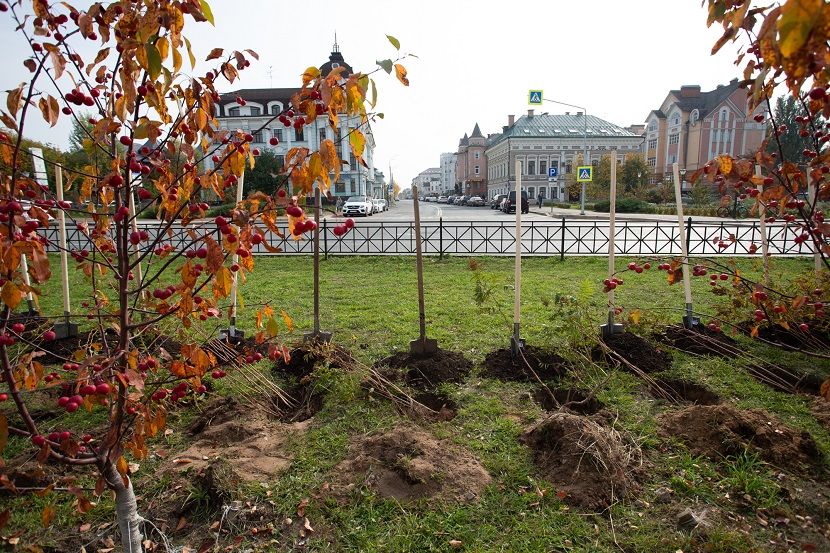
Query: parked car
point(495, 203)
point(475, 201)
point(358, 205)
point(451, 199)
point(377, 205)
point(509, 203)
point(385, 204)
point(442, 199)
point(462, 200)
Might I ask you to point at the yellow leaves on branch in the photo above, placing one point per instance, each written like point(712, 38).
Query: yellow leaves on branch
point(222, 283)
point(309, 75)
point(798, 20)
point(358, 143)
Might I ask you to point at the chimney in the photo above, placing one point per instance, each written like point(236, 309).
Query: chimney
point(690, 91)
point(579, 113)
point(510, 120)
point(530, 113)
point(567, 113)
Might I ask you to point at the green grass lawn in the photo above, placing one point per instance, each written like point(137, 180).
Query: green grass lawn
point(370, 304)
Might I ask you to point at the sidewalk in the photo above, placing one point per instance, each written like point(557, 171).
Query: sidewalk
point(558, 213)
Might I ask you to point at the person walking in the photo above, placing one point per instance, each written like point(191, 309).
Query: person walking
point(339, 207)
point(540, 198)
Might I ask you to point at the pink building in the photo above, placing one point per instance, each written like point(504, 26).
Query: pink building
point(471, 165)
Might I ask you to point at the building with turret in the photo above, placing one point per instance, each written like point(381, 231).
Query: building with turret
point(258, 116)
point(471, 165)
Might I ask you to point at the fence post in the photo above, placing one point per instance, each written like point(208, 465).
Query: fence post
point(325, 238)
point(688, 234)
point(440, 238)
point(562, 242)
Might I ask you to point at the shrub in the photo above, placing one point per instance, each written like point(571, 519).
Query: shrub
point(627, 205)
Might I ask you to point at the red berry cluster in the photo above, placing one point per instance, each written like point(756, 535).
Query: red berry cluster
point(639, 268)
point(612, 283)
point(347, 225)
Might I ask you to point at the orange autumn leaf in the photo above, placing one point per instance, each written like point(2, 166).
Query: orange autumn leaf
point(400, 72)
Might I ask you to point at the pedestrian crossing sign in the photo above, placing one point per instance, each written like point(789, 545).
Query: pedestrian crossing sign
point(584, 173)
point(534, 97)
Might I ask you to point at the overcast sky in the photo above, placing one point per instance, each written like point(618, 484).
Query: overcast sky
point(476, 60)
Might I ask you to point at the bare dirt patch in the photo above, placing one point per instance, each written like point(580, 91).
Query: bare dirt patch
point(789, 380)
point(718, 431)
point(821, 411)
point(575, 400)
point(440, 407)
point(699, 341)
point(683, 391)
point(594, 464)
point(306, 357)
point(408, 463)
point(637, 351)
point(503, 365)
point(246, 435)
point(425, 372)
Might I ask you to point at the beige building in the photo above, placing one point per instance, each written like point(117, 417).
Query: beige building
point(692, 127)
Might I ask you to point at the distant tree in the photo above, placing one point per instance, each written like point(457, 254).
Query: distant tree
point(635, 174)
point(787, 109)
point(700, 194)
point(265, 176)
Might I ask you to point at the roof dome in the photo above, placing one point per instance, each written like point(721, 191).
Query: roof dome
point(335, 60)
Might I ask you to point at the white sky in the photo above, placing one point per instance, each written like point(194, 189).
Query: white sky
point(476, 60)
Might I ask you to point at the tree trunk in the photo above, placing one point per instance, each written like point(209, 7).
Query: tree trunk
point(126, 512)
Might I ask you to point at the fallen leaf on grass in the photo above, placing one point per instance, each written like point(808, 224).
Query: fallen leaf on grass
point(456, 544)
point(301, 507)
point(182, 523)
point(85, 527)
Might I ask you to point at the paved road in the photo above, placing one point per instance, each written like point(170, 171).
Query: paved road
point(458, 230)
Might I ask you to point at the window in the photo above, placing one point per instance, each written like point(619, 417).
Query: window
point(255, 111)
point(352, 189)
point(339, 188)
point(352, 161)
point(543, 167)
point(477, 155)
point(652, 126)
point(674, 138)
point(233, 112)
point(477, 170)
point(531, 167)
point(652, 162)
point(322, 134)
point(277, 133)
point(568, 167)
point(298, 134)
point(652, 144)
point(554, 192)
point(258, 137)
point(531, 192)
point(275, 109)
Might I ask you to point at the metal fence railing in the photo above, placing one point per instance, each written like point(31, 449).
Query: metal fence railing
point(464, 238)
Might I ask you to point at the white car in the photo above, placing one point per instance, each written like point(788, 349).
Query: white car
point(377, 205)
point(442, 199)
point(358, 205)
point(385, 205)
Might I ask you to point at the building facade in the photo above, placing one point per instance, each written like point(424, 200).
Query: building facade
point(428, 182)
point(692, 127)
point(542, 142)
point(448, 173)
point(471, 165)
point(263, 104)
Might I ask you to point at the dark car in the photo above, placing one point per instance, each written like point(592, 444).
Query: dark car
point(462, 200)
point(509, 204)
point(495, 203)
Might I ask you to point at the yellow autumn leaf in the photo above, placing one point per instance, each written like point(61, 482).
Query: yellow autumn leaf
point(272, 327)
point(798, 18)
point(635, 316)
point(400, 72)
point(358, 143)
point(11, 294)
point(287, 319)
point(310, 74)
point(222, 282)
point(48, 515)
point(725, 164)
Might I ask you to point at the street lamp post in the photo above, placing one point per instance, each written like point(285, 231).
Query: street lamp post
point(586, 159)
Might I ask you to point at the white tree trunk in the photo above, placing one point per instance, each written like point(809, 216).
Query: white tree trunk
point(126, 512)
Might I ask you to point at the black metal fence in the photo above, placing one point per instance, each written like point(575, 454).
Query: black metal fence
point(464, 238)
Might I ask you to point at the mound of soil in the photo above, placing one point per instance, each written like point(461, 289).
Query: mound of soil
point(407, 463)
point(786, 380)
point(572, 399)
point(592, 463)
point(699, 341)
point(503, 365)
point(425, 372)
point(440, 407)
point(242, 434)
point(683, 391)
point(814, 340)
point(637, 351)
point(306, 357)
point(718, 431)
